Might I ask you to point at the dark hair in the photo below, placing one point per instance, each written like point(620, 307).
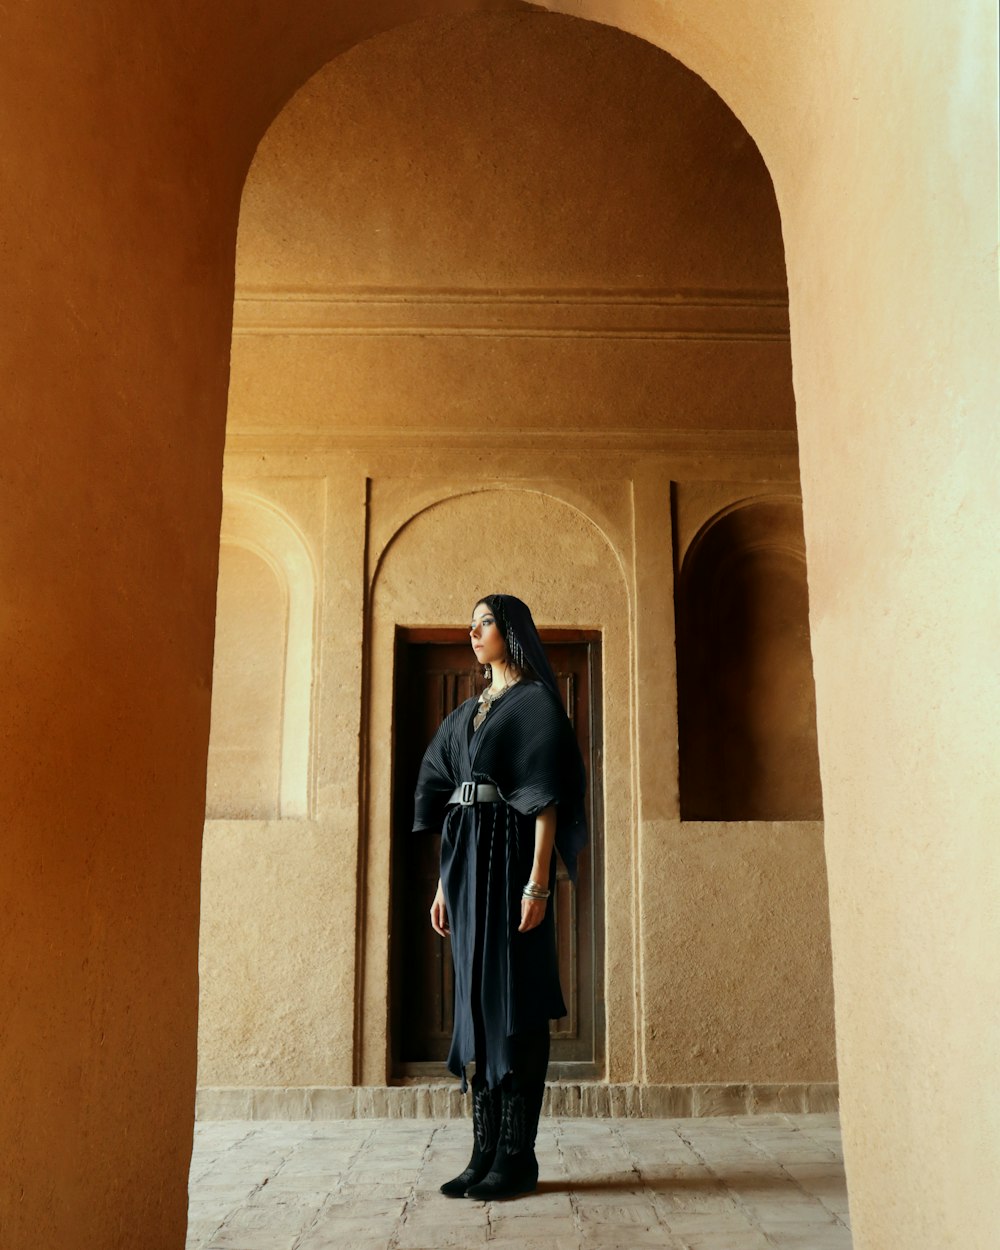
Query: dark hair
point(478, 670)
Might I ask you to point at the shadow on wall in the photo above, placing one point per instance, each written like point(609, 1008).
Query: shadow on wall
point(747, 703)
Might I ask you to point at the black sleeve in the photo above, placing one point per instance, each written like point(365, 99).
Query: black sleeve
point(534, 762)
point(541, 765)
point(435, 781)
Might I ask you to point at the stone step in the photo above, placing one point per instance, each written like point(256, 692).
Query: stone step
point(443, 1100)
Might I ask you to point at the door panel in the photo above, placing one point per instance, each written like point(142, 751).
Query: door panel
point(435, 672)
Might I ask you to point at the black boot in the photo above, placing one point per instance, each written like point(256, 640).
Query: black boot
point(515, 1168)
point(486, 1130)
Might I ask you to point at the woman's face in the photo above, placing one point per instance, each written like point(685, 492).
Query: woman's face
point(484, 632)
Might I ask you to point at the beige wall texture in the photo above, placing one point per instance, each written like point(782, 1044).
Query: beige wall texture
point(570, 253)
point(126, 140)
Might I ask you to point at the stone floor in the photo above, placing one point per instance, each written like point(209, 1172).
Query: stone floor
point(712, 1184)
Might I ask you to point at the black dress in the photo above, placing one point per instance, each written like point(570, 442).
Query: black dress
point(525, 748)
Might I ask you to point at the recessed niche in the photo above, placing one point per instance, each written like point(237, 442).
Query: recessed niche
point(746, 700)
point(244, 759)
point(262, 687)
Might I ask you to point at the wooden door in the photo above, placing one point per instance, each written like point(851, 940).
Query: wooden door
point(435, 672)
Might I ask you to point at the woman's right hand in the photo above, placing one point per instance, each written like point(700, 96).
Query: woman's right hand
point(439, 913)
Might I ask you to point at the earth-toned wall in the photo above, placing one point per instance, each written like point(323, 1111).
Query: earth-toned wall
point(126, 139)
point(541, 302)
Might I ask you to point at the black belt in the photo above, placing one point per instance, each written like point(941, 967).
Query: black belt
point(470, 792)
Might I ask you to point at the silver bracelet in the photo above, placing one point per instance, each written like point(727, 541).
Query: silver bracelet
point(534, 890)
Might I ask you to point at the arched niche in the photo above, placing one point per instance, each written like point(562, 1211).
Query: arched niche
point(259, 750)
point(527, 542)
point(244, 752)
point(746, 699)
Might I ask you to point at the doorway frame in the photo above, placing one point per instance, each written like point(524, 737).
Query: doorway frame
point(399, 1073)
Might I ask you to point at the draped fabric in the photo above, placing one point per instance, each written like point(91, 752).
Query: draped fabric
point(524, 747)
point(517, 625)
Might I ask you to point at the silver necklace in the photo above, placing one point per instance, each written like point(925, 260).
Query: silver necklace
point(486, 701)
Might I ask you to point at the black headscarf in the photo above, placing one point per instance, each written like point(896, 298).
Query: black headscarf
point(513, 617)
point(524, 646)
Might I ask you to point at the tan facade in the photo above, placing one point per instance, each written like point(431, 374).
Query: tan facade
point(127, 139)
point(606, 374)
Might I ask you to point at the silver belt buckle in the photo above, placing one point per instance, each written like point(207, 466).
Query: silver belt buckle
point(468, 793)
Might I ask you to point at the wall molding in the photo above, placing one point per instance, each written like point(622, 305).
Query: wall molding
point(442, 1100)
point(291, 439)
point(613, 313)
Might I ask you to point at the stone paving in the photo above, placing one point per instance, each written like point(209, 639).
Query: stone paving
point(742, 1183)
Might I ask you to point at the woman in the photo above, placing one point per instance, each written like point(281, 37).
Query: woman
point(504, 781)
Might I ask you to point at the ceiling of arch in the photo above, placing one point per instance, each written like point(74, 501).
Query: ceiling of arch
point(519, 214)
point(524, 151)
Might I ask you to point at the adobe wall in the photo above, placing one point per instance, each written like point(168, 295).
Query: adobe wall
point(126, 140)
point(502, 324)
point(114, 353)
point(716, 946)
point(879, 127)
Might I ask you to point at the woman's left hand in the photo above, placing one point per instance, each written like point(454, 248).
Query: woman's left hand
point(532, 913)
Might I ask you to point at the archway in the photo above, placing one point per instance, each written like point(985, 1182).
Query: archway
point(257, 526)
point(575, 581)
point(746, 699)
point(888, 223)
point(607, 372)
